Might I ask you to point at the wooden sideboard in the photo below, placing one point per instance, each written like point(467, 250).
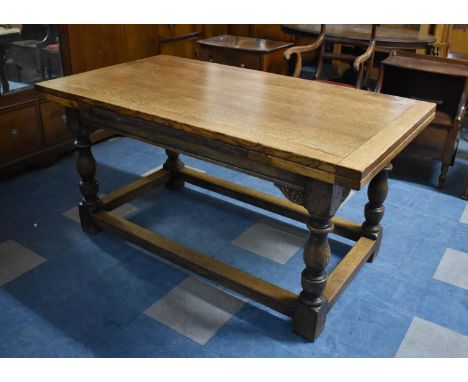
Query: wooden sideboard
point(32, 131)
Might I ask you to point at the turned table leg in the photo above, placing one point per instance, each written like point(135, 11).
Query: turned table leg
point(374, 209)
point(86, 166)
point(174, 164)
point(322, 200)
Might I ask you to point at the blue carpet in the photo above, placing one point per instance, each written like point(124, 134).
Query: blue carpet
point(87, 299)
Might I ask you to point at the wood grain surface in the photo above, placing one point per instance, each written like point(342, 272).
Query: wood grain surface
point(350, 133)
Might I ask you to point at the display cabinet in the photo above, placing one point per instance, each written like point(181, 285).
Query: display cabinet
point(32, 130)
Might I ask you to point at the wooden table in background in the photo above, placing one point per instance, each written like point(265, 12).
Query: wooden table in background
point(246, 52)
point(387, 37)
point(314, 141)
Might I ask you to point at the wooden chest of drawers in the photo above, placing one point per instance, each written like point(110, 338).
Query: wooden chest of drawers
point(33, 131)
point(245, 52)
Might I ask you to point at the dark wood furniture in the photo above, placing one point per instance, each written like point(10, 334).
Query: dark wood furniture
point(388, 37)
point(28, 52)
point(33, 131)
point(246, 52)
point(314, 141)
point(436, 79)
point(361, 64)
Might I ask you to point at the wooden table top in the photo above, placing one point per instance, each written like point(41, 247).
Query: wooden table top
point(386, 35)
point(250, 44)
point(345, 133)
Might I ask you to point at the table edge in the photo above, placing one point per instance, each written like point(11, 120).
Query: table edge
point(342, 171)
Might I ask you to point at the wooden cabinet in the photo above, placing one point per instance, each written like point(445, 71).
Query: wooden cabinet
point(95, 46)
point(33, 131)
point(245, 52)
point(54, 121)
point(20, 133)
point(230, 57)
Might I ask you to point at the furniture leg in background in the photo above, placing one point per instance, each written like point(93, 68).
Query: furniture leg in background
point(406, 75)
point(173, 164)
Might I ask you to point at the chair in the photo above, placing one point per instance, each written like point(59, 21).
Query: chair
point(51, 58)
point(443, 81)
point(454, 53)
point(361, 64)
point(28, 53)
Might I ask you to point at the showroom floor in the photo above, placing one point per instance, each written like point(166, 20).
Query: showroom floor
point(66, 294)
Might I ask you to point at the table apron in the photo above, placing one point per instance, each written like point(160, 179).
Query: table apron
point(202, 148)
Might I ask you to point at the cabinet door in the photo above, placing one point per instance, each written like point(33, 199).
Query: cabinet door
point(54, 123)
point(459, 39)
point(19, 133)
point(93, 46)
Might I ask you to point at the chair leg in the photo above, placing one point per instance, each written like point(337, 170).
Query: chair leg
point(443, 175)
point(465, 193)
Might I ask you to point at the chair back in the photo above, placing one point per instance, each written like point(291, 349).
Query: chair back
point(361, 62)
point(351, 52)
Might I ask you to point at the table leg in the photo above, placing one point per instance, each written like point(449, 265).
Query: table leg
point(174, 165)
point(3, 76)
point(374, 209)
point(321, 200)
point(86, 166)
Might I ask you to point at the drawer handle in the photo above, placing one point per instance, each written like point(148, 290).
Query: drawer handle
point(64, 118)
point(242, 65)
point(15, 133)
point(211, 59)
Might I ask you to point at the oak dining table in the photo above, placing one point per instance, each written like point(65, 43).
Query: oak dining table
point(314, 141)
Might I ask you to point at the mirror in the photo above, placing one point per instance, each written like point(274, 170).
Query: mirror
point(29, 53)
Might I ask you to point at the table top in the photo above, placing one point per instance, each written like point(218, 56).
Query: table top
point(386, 35)
point(250, 44)
point(421, 62)
point(344, 132)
